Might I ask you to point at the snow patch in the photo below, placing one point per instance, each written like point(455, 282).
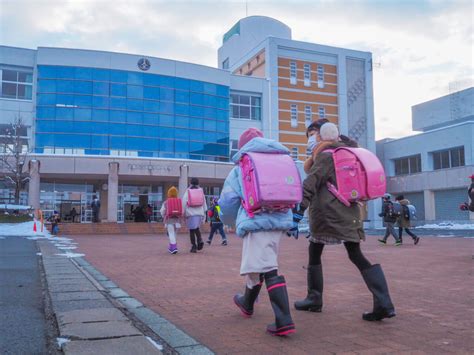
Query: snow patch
point(66, 247)
point(155, 344)
point(448, 225)
point(62, 341)
point(71, 255)
point(39, 254)
point(24, 229)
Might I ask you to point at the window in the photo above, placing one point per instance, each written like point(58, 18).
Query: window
point(322, 112)
point(225, 64)
point(294, 116)
point(307, 115)
point(307, 75)
point(320, 76)
point(247, 107)
point(16, 84)
point(294, 153)
point(408, 165)
point(450, 158)
point(293, 73)
point(233, 147)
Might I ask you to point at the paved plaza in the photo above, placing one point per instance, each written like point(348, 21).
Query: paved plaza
point(431, 286)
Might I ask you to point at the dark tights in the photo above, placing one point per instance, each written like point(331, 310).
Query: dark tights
point(353, 250)
point(195, 234)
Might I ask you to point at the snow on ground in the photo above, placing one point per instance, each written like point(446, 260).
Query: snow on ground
point(71, 255)
point(447, 225)
point(24, 229)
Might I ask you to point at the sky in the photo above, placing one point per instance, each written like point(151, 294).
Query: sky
point(421, 49)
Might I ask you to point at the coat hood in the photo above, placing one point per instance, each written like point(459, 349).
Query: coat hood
point(260, 145)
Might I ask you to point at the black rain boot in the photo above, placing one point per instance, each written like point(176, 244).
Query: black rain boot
point(278, 294)
point(383, 307)
point(200, 243)
point(246, 301)
point(192, 237)
point(314, 300)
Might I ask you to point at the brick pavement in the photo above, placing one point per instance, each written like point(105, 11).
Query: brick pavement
point(431, 286)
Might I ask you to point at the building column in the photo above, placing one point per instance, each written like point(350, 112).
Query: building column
point(183, 179)
point(34, 184)
point(112, 192)
point(430, 210)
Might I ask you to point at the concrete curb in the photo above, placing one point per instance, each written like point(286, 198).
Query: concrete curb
point(177, 339)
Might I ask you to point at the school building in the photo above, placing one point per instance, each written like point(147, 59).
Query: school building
point(431, 168)
point(125, 127)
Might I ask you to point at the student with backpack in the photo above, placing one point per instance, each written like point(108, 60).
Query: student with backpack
point(335, 217)
point(195, 208)
point(405, 218)
point(261, 211)
point(172, 212)
point(216, 223)
point(389, 218)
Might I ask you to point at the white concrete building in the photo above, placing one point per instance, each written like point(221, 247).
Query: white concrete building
point(431, 168)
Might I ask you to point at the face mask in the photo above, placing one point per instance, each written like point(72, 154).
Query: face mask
point(312, 142)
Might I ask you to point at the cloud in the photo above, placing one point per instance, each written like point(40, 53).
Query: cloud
point(421, 46)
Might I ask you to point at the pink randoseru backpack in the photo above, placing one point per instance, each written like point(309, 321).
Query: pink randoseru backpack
point(195, 197)
point(271, 182)
point(359, 175)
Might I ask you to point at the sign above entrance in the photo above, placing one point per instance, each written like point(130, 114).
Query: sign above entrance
point(158, 169)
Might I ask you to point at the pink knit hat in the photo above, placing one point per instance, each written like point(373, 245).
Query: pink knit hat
point(248, 135)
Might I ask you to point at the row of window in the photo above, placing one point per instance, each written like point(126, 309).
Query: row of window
point(308, 114)
point(244, 106)
point(48, 88)
point(205, 133)
point(16, 84)
point(133, 78)
point(149, 113)
point(95, 142)
point(449, 158)
point(307, 74)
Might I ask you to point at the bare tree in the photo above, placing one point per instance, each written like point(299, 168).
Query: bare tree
point(13, 155)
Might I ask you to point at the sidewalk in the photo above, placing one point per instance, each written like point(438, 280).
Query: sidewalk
point(431, 286)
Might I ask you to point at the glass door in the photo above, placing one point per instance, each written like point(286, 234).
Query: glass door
point(86, 209)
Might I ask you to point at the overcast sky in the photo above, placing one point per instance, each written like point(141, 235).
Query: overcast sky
point(421, 47)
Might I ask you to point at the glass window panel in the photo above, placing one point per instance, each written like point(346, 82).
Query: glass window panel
point(195, 123)
point(65, 72)
point(244, 100)
point(83, 87)
point(100, 115)
point(210, 88)
point(196, 147)
point(134, 117)
point(117, 142)
point(404, 166)
point(46, 112)
point(45, 126)
point(65, 86)
point(436, 161)
point(181, 121)
point(101, 88)
point(84, 73)
point(63, 113)
point(150, 92)
point(444, 159)
point(134, 130)
point(461, 156)
point(24, 77)
point(222, 103)
point(181, 109)
point(117, 129)
point(210, 125)
point(9, 90)
point(134, 78)
point(151, 118)
point(244, 112)
point(81, 127)
point(182, 133)
point(166, 145)
point(133, 104)
point(43, 140)
point(117, 116)
point(455, 158)
point(167, 107)
point(134, 91)
point(46, 71)
point(181, 146)
point(101, 74)
point(64, 99)
point(118, 103)
point(83, 100)
point(151, 106)
point(100, 101)
point(46, 85)
point(235, 111)
point(151, 79)
point(46, 99)
point(196, 86)
point(182, 96)
point(118, 76)
point(151, 131)
point(167, 81)
point(118, 90)
point(196, 111)
point(167, 132)
point(166, 94)
point(9, 75)
point(180, 83)
point(256, 113)
point(234, 98)
point(167, 120)
point(256, 101)
point(82, 114)
point(223, 90)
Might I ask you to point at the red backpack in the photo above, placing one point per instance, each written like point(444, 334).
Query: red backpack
point(174, 208)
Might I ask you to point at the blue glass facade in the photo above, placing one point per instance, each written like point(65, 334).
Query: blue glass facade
point(102, 111)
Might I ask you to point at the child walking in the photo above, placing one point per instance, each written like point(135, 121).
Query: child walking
point(172, 211)
point(195, 207)
point(261, 235)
